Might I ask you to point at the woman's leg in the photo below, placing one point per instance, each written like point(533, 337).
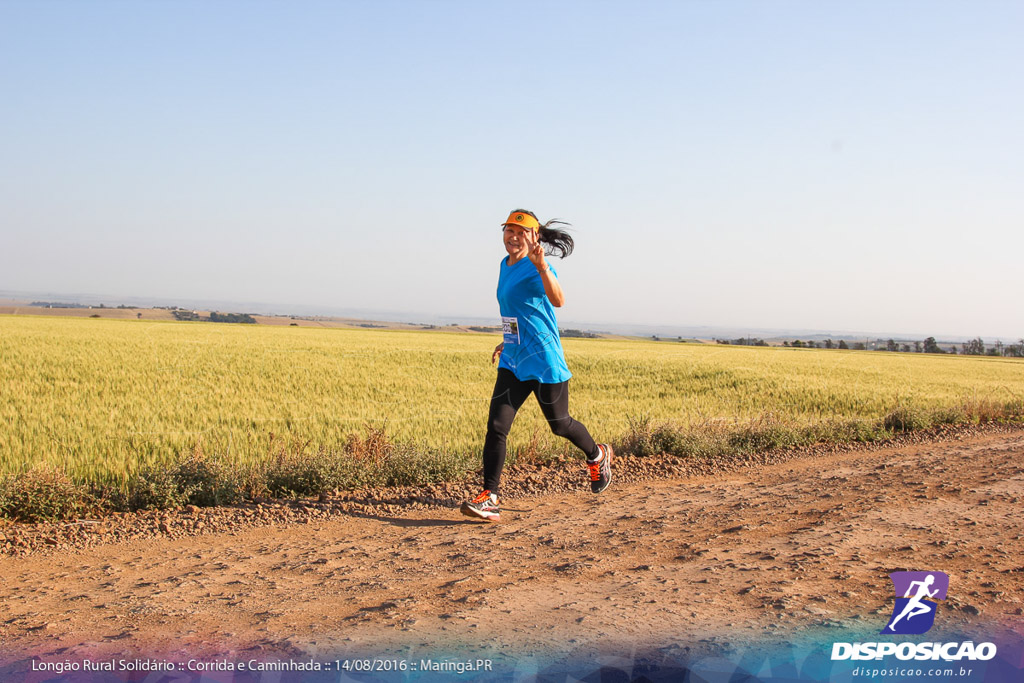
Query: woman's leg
point(508, 397)
point(554, 402)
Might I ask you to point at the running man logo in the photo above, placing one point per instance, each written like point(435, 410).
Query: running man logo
point(914, 612)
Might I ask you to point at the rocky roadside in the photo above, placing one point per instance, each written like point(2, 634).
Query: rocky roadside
point(563, 474)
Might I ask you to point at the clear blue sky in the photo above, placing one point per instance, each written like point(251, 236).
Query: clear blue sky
point(843, 166)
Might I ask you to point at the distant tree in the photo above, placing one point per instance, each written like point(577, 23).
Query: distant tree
point(890, 345)
point(905, 348)
point(785, 342)
point(975, 347)
point(138, 316)
point(930, 346)
point(842, 344)
point(917, 347)
point(798, 344)
point(858, 346)
point(828, 343)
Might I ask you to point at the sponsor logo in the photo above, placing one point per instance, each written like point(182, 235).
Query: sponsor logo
point(914, 614)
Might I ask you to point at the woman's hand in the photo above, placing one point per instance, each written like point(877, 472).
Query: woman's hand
point(535, 251)
point(536, 254)
point(497, 352)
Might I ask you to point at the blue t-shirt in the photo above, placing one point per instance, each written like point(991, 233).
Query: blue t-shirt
point(533, 349)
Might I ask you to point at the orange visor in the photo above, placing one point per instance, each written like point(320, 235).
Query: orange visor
point(523, 220)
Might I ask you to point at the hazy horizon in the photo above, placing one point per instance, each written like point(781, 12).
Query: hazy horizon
point(733, 165)
point(665, 329)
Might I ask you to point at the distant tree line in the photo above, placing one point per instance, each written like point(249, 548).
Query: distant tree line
point(743, 341)
point(974, 347)
point(62, 304)
point(827, 344)
point(216, 317)
point(578, 333)
point(57, 304)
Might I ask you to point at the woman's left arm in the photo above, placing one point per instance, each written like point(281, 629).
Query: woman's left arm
point(551, 286)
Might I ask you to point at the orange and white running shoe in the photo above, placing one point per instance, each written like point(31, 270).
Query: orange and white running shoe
point(484, 506)
point(601, 468)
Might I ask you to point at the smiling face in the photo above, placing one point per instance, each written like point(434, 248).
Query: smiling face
point(517, 241)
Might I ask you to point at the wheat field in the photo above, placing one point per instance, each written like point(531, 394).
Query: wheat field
point(101, 398)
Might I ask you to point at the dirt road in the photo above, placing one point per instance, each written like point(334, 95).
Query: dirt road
point(794, 547)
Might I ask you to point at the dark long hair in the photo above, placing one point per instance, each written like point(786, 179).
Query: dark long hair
point(557, 242)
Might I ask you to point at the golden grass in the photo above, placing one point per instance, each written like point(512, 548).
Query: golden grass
point(102, 398)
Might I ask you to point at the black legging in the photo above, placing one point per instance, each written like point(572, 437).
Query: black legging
point(509, 394)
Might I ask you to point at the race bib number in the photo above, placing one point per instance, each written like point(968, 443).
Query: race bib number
point(510, 329)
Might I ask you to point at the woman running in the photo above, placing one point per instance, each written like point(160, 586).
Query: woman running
point(532, 361)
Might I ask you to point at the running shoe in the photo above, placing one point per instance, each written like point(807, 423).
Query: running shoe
point(601, 468)
point(484, 506)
